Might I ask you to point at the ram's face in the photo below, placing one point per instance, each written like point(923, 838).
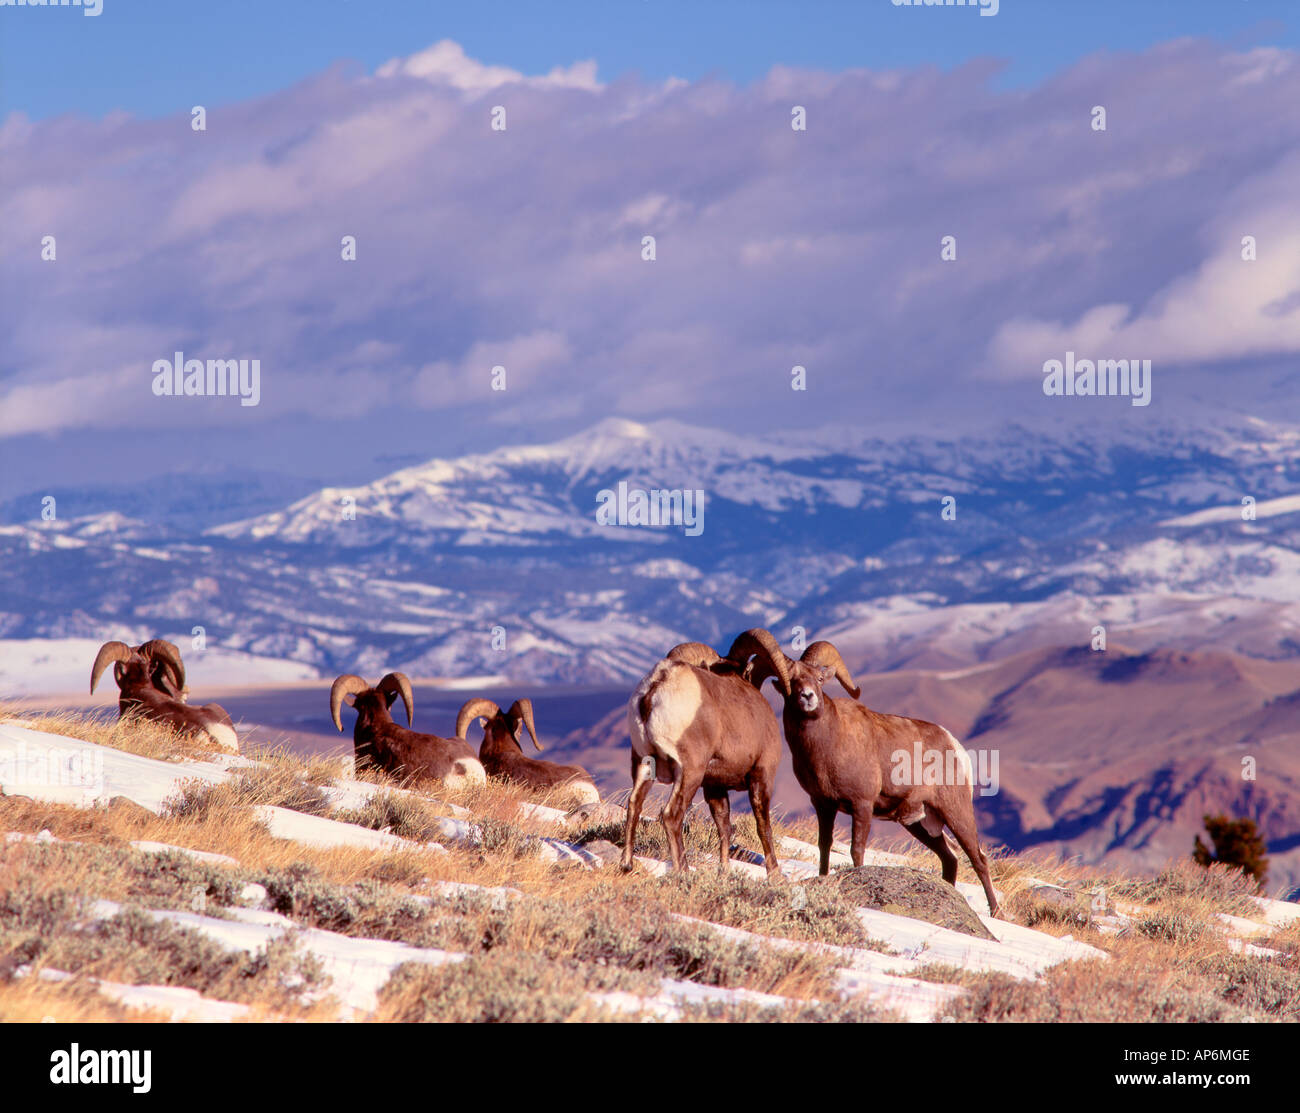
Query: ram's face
point(806, 687)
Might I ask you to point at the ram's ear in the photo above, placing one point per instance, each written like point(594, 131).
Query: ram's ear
point(351, 700)
point(825, 673)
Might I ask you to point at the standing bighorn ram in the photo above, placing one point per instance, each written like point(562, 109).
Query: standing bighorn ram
point(851, 759)
point(502, 756)
point(695, 722)
point(377, 740)
point(151, 680)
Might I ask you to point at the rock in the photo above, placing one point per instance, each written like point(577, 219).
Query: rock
point(907, 892)
point(253, 895)
point(1078, 906)
point(129, 810)
point(605, 850)
point(591, 815)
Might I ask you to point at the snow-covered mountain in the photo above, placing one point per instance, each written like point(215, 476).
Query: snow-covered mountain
point(498, 564)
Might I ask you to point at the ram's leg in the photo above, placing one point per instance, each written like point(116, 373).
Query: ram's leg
point(826, 813)
point(760, 804)
point(643, 775)
point(961, 822)
point(937, 843)
point(685, 786)
point(720, 806)
point(861, 832)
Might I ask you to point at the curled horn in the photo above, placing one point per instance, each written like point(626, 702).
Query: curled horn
point(771, 661)
point(823, 653)
point(345, 685)
point(523, 709)
point(694, 653)
point(108, 653)
point(169, 655)
point(397, 682)
point(474, 709)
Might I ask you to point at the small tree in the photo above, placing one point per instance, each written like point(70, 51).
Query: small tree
point(1236, 844)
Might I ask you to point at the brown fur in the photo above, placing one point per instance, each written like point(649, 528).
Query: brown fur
point(843, 758)
point(729, 742)
point(380, 742)
point(145, 688)
point(502, 756)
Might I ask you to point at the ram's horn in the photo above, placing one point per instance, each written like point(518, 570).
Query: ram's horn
point(477, 708)
point(523, 709)
point(823, 653)
point(760, 644)
point(345, 685)
point(108, 653)
point(694, 653)
point(397, 682)
point(165, 651)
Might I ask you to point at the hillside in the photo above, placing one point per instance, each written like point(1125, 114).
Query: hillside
point(169, 882)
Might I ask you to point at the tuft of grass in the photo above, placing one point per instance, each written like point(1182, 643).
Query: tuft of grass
point(1222, 888)
point(276, 783)
point(490, 988)
point(131, 733)
point(816, 913)
point(402, 813)
point(1092, 992)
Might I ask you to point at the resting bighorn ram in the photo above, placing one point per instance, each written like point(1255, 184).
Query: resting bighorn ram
point(695, 722)
point(851, 759)
point(379, 741)
point(502, 756)
point(165, 667)
point(147, 677)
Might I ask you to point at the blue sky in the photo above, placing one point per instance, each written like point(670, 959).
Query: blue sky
point(149, 57)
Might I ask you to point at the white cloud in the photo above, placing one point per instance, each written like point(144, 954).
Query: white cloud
point(446, 63)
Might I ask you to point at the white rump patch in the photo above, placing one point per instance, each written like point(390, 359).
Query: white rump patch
point(584, 793)
point(223, 736)
point(467, 772)
point(674, 705)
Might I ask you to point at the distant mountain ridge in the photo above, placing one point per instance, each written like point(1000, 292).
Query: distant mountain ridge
point(835, 532)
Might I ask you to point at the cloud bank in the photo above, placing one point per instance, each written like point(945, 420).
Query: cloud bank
point(524, 248)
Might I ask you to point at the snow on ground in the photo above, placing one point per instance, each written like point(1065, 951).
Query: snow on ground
point(1019, 951)
point(354, 795)
point(358, 968)
point(667, 1004)
point(62, 770)
point(181, 1003)
point(315, 830)
point(1278, 913)
point(870, 974)
point(197, 855)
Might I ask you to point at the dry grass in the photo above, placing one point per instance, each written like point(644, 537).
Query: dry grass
point(131, 734)
point(572, 933)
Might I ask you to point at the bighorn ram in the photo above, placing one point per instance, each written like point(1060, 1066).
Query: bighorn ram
point(165, 667)
point(854, 760)
point(147, 676)
point(502, 756)
point(694, 721)
point(377, 740)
